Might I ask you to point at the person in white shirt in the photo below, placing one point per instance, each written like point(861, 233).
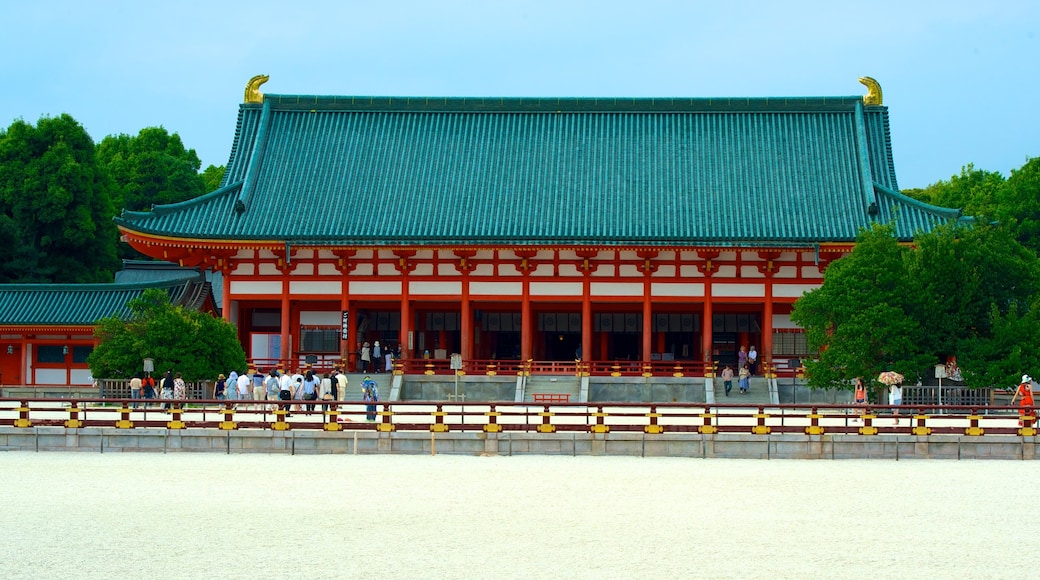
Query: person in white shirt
point(341, 386)
point(243, 386)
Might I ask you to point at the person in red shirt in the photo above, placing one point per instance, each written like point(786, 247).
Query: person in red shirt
point(1025, 391)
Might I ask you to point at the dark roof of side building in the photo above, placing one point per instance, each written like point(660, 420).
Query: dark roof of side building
point(85, 304)
point(328, 170)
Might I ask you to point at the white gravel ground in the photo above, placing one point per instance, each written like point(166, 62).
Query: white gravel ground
point(80, 515)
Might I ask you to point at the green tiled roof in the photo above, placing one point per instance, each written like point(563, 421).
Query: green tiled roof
point(431, 171)
point(84, 304)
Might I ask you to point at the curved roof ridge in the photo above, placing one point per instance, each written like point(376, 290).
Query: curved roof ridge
point(102, 286)
point(160, 210)
point(943, 212)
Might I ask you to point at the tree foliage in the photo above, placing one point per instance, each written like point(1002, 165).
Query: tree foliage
point(152, 168)
point(1018, 209)
point(973, 191)
point(859, 317)
point(964, 292)
point(55, 205)
point(175, 338)
point(212, 176)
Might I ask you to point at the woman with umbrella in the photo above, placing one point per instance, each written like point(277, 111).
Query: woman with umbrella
point(895, 391)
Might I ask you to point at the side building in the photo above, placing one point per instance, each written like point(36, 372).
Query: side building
point(654, 230)
point(47, 330)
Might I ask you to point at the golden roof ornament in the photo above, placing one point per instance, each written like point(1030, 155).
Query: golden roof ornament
point(873, 96)
point(253, 94)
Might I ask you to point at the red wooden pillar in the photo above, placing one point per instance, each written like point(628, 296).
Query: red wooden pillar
point(647, 314)
point(465, 266)
point(406, 337)
point(226, 287)
point(706, 339)
point(527, 329)
point(286, 351)
point(766, 352)
point(586, 320)
point(707, 268)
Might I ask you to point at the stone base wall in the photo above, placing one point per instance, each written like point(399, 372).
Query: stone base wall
point(694, 445)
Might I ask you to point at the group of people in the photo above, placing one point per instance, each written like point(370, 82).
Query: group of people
point(743, 379)
point(747, 365)
point(170, 387)
point(372, 357)
point(303, 386)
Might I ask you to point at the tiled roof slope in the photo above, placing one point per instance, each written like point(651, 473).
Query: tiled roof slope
point(85, 304)
point(676, 172)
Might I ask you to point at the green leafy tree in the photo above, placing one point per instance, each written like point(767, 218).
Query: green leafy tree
point(212, 176)
point(151, 168)
point(175, 338)
point(860, 317)
point(1011, 350)
point(959, 275)
point(55, 205)
point(1019, 204)
point(974, 192)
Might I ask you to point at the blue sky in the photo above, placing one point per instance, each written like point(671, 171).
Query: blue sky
point(960, 78)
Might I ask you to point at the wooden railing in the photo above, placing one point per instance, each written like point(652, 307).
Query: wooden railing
point(546, 417)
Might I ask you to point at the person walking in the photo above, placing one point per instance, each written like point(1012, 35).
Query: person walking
point(727, 379)
point(366, 356)
point(341, 386)
point(752, 360)
point(167, 388)
point(744, 379)
point(136, 390)
point(180, 390)
point(148, 384)
point(370, 394)
point(860, 395)
point(741, 358)
point(1024, 394)
point(231, 392)
point(272, 385)
point(310, 388)
point(377, 357)
point(242, 387)
point(220, 387)
point(259, 388)
point(895, 398)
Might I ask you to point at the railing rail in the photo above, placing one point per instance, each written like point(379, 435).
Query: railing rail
point(553, 417)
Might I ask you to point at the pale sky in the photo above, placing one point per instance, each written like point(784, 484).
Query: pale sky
point(959, 77)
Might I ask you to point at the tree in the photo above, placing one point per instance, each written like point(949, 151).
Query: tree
point(1012, 349)
point(175, 338)
point(1019, 204)
point(152, 168)
point(974, 192)
point(55, 205)
point(212, 176)
point(860, 317)
point(959, 275)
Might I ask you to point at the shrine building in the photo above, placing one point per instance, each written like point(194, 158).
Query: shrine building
point(656, 230)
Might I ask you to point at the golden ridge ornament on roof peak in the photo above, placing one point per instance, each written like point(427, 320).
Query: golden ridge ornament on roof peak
point(873, 96)
point(253, 94)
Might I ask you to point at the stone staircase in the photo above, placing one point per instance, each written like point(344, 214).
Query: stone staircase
point(354, 392)
point(758, 394)
point(552, 385)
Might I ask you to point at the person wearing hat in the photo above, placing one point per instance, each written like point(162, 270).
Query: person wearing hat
point(218, 390)
point(1025, 390)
